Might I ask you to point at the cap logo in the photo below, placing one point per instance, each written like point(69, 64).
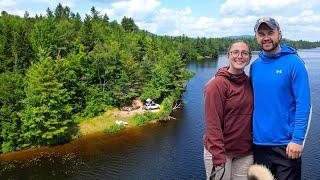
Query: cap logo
point(266, 19)
point(270, 22)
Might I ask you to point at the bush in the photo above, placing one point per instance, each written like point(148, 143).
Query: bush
point(7, 147)
point(141, 119)
point(150, 115)
point(114, 128)
point(166, 109)
point(97, 102)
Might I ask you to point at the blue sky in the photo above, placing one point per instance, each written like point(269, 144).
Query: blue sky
point(299, 19)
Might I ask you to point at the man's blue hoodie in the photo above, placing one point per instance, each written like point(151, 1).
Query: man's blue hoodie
point(281, 98)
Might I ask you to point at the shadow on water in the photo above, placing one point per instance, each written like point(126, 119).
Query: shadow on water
point(69, 159)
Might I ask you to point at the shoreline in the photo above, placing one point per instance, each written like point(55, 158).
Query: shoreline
point(88, 128)
point(74, 147)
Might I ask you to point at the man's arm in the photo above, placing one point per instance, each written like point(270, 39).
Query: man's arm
point(301, 92)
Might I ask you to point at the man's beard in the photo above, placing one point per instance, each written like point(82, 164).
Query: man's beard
point(274, 46)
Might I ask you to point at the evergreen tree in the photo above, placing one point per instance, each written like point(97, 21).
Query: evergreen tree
point(16, 53)
point(62, 12)
point(11, 96)
point(4, 13)
point(46, 119)
point(87, 36)
point(129, 25)
point(49, 13)
point(59, 11)
point(77, 22)
point(26, 15)
point(94, 13)
point(105, 18)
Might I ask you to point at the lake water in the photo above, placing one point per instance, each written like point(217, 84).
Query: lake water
point(171, 150)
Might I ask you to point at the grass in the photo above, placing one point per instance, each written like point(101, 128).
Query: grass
point(140, 119)
point(104, 123)
point(114, 128)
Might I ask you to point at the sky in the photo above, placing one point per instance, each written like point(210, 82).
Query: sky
point(298, 19)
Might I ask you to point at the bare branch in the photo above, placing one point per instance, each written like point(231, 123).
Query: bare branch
point(177, 106)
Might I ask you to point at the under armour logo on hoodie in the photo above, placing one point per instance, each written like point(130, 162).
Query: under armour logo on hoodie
point(278, 71)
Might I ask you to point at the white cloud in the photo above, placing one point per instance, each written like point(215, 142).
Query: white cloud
point(137, 9)
point(301, 25)
point(54, 3)
point(169, 21)
point(7, 3)
point(12, 6)
point(109, 12)
point(177, 22)
point(261, 7)
point(107, 1)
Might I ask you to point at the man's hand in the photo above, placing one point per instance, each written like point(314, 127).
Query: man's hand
point(294, 150)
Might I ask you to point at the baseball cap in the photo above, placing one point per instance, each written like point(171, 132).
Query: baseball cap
point(270, 22)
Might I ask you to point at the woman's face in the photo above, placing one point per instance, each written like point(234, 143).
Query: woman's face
point(239, 57)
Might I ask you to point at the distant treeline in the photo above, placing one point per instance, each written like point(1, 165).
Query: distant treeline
point(56, 69)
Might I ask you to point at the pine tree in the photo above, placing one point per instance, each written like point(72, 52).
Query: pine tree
point(11, 97)
point(49, 13)
point(94, 13)
point(129, 25)
point(46, 119)
point(105, 18)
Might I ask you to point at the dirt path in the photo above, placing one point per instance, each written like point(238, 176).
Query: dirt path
point(108, 118)
point(137, 103)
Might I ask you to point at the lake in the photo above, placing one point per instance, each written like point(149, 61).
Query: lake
point(169, 150)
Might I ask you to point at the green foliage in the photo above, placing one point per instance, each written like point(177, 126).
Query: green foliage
point(95, 13)
point(166, 108)
point(140, 119)
point(148, 91)
point(53, 37)
point(71, 73)
point(150, 115)
point(162, 114)
point(7, 146)
point(97, 100)
point(46, 119)
point(114, 128)
point(129, 25)
point(168, 77)
point(15, 48)
point(62, 12)
point(11, 96)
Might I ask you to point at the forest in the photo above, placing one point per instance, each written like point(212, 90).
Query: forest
point(58, 68)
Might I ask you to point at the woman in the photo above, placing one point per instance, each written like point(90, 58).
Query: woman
point(228, 111)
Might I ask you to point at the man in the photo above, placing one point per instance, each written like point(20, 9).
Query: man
point(281, 103)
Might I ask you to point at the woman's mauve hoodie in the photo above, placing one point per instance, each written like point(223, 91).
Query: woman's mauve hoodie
point(228, 113)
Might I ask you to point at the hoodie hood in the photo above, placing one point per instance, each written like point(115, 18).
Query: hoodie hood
point(238, 79)
point(284, 50)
